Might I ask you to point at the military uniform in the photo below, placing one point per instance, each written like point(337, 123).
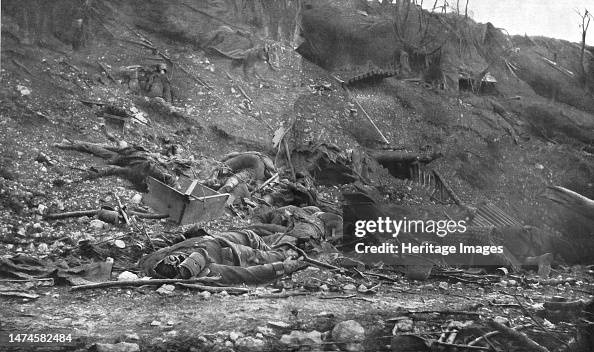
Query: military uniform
point(238, 257)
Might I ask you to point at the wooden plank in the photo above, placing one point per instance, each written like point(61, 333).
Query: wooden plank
point(165, 199)
point(199, 190)
point(190, 189)
point(202, 205)
point(204, 209)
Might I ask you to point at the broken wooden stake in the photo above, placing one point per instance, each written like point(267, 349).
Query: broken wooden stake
point(447, 188)
point(343, 85)
point(293, 174)
point(271, 179)
point(89, 213)
point(570, 199)
point(216, 289)
point(22, 66)
point(367, 115)
point(104, 68)
point(521, 337)
point(137, 283)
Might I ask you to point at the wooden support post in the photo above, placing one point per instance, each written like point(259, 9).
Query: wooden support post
point(343, 85)
point(447, 188)
point(369, 118)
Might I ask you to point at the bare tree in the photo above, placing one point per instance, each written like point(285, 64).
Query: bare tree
point(466, 9)
point(586, 16)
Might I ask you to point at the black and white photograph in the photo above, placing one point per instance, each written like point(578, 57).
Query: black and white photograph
point(297, 175)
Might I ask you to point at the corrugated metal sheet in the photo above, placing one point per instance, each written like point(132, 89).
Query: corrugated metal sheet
point(491, 215)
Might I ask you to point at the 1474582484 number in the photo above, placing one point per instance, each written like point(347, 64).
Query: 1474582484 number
point(48, 338)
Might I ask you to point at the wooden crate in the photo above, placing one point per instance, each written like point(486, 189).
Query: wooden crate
point(196, 203)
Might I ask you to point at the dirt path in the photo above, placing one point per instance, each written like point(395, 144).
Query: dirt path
point(188, 319)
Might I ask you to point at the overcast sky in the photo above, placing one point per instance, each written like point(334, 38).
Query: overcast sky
point(549, 18)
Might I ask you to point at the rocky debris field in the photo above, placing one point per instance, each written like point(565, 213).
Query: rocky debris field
point(82, 130)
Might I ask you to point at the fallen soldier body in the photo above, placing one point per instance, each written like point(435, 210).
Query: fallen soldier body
point(239, 257)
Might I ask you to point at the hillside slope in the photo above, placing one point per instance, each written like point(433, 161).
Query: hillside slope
point(70, 72)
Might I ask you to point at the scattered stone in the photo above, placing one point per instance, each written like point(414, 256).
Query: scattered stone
point(120, 244)
point(279, 324)
point(98, 224)
point(324, 287)
point(403, 325)
point(501, 320)
point(228, 344)
point(234, 335)
point(444, 285)
point(313, 338)
point(137, 198)
point(42, 248)
point(132, 336)
point(349, 287)
point(363, 289)
point(205, 294)
point(325, 314)
point(65, 322)
point(155, 323)
point(218, 341)
point(118, 347)
point(126, 275)
point(264, 330)
point(41, 209)
point(44, 159)
point(349, 334)
point(166, 290)
point(23, 90)
point(249, 344)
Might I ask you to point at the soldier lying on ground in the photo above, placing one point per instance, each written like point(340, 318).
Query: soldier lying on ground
point(133, 163)
point(151, 81)
point(303, 225)
point(245, 256)
point(239, 257)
